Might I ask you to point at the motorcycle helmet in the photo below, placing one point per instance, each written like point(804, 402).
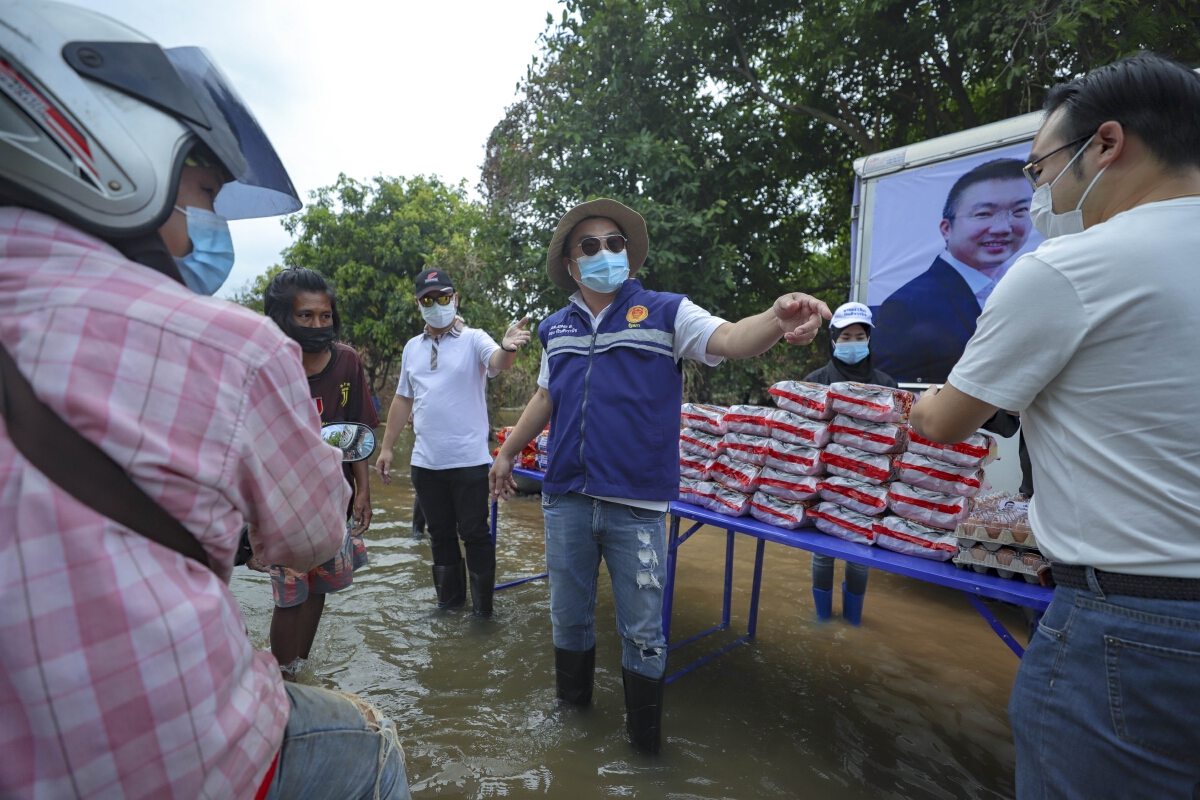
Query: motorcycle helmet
point(97, 121)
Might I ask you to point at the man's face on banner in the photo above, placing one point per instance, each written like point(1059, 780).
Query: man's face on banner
point(990, 224)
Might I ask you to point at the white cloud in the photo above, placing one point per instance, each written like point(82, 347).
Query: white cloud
point(357, 86)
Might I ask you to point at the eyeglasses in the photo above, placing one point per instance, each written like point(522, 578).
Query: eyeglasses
point(1032, 176)
point(441, 300)
point(590, 245)
point(986, 217)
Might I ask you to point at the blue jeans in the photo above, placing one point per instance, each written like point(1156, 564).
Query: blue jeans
point(1106, 703)
point(331, 752)
point(633, 542)
point(822, 574)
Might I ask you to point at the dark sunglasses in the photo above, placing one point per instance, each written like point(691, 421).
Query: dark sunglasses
point(441, 300)
point(1032, 176)
point(590, 245)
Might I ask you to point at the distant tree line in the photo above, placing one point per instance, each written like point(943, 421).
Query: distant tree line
point(731, 127)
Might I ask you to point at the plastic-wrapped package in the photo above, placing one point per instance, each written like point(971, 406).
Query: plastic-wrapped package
point(794, 458)
point(914, 539)
point(806, 399)
point(865, 498)
point(935, 509)
point(795, 429)
point(978, 450)
point(710, 419)
point(776, 511)
point(527, 460)
point(694, 466)
point(696, 492)
point(873, 437)
point(786, 485)
point(700, 443)
point(541, 461)
point(938, 476)
point(729, 502)
point(749, 419)
point(870, 402)
point(542, 442)
point(850, 462)
point(736, 475)
point(745, 447)
point(843, 523)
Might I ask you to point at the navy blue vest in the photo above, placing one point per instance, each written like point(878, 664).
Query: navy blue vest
point(614, 430)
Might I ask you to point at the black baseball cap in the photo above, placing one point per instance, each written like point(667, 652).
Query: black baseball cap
point(433, 280)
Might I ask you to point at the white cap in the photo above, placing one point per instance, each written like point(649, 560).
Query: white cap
point(851, 314)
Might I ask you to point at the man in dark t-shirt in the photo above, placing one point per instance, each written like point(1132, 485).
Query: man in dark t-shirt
point(304, 306)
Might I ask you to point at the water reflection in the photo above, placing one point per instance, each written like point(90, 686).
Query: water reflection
point(910, 705)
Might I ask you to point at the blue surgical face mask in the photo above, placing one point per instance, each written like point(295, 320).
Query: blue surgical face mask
point(603, 272)
point(851, 352)
point(211, 260)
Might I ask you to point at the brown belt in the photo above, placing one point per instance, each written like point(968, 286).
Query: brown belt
point(1150, 586)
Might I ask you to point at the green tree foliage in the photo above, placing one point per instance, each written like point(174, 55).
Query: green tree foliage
point(370, 240)
point(732, 126)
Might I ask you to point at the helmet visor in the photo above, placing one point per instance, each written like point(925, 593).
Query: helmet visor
point(261, 186)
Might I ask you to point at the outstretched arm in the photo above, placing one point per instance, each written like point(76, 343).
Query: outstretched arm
point(795, 317)
point(514, 338)
point(533, 420)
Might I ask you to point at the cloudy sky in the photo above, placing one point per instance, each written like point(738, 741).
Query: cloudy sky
point(365, 87)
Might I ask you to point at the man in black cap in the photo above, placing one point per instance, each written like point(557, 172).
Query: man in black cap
point(443, 380)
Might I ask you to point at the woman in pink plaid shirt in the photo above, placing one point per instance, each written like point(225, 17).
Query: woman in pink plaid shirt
point(127, 671)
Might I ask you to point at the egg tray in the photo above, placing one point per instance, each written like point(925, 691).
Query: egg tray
point(963, 560)
point(976, 531)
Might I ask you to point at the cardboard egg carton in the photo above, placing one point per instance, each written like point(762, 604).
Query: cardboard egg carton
point(977, 532)
point(964, 559)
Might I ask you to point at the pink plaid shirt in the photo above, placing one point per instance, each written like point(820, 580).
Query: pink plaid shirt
point(127, 672)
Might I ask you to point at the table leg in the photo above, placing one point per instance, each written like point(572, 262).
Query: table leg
point(758, 565)
point(728, 601)
point(669, 589)
point(1000, 630)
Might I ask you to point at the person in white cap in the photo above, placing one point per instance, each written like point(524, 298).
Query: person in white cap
point(849, 360)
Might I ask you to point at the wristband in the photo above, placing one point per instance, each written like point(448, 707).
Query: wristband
point(505, 349)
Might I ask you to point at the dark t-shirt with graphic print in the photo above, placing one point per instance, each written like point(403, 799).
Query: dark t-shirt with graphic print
point(343, 395)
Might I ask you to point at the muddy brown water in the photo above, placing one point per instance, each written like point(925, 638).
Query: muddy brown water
point(910, 705)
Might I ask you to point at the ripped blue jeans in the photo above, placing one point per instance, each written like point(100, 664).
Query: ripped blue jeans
point(581, 530)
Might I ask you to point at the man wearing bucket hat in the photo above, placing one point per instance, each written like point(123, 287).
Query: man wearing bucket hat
point(610, 387)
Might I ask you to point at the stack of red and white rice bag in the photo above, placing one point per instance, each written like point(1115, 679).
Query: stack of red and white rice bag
point(751, 460)
point(534, 455)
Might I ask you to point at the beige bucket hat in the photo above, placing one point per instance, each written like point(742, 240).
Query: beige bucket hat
point(629, 221)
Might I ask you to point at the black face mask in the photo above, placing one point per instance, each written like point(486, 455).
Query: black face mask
point(312, 340)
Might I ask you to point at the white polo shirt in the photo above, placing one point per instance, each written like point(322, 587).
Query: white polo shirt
point(450, 415)
point(1093, 338)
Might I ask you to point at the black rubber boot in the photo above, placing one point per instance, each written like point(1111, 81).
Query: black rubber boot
point(482, 589)
point(574, 671)
point(450, 584)
point(643, 709)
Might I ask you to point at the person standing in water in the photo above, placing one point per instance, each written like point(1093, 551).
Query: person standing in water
point(849, 360)
point(611, 375)
point(304, 306)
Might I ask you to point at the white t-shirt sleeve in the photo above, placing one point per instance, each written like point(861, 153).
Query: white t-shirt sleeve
point(693, 328)
point(1029, 329)
point(544, 372)
point(485, 345)
point(405, 389)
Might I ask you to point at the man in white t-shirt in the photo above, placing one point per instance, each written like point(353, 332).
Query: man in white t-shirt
point(443, 380)
point(1093, 339)
point(611, 386)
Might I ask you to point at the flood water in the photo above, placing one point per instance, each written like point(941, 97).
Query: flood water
point(910, 705)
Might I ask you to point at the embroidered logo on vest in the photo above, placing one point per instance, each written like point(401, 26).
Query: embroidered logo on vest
point(636, 315)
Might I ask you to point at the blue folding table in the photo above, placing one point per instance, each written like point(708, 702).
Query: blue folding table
point(942, 573)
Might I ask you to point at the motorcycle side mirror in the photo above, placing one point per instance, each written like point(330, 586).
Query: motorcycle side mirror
point(356, 441)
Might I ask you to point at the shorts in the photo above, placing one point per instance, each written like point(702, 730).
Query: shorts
point(290, 588)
